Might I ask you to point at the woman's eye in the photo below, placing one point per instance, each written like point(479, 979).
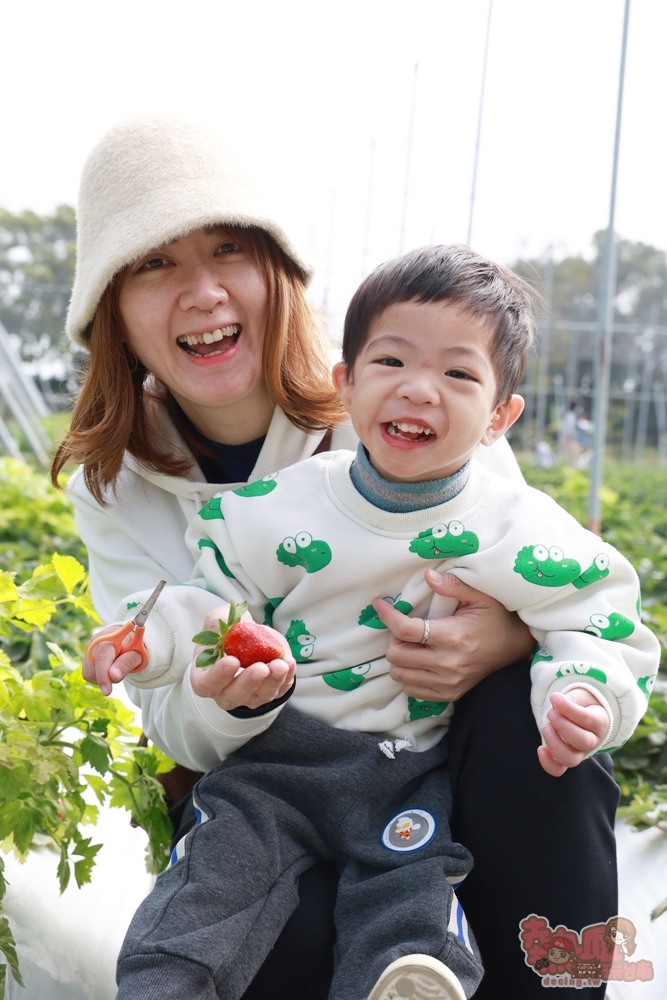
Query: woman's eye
point(153, 264)
point(229, 247)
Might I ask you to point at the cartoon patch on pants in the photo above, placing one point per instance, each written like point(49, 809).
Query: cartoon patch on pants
point(409, 830)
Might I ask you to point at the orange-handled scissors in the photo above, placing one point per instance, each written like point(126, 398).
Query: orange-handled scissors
point(136, 625)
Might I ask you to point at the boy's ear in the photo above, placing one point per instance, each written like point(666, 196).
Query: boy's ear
point(504, 415)
point(343, 383)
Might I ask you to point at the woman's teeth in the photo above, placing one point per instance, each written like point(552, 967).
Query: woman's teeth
point(403, 429)
point(209, 338)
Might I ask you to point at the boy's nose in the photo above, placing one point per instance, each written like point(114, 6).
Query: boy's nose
point(420, 388)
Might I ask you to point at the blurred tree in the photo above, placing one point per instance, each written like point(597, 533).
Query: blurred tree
point(36, 274)
point(641, 285)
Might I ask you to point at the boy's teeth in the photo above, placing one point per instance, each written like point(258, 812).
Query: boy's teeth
point(411, 428)
point(209, 338)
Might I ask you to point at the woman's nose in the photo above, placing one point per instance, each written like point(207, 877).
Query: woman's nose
point(202, 290)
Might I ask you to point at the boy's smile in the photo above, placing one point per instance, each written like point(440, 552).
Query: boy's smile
point(422, 393)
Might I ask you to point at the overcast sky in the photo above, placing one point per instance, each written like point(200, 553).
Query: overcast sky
point(306, 88)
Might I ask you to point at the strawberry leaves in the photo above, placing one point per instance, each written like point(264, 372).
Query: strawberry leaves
point(215, 641)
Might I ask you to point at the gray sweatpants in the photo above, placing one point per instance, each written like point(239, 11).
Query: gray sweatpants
point(300, 792)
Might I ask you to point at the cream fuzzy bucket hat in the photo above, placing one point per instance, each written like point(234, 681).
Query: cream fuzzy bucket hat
point(149, 180)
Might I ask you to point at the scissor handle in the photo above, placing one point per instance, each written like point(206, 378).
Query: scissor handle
point(136, 643)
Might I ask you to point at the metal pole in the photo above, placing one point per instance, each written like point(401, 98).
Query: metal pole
point(406, 186)
point(661, 421)
point(479, 125)
point(367, 227)
point(542, 387)
point(606, 315)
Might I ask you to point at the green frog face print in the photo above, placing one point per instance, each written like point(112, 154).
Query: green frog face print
point(260, 487)
point(211, 511)
point(444, 541)
point(548, 567)
point(304, 550)
point(581, 670)
point(301, 642)
point(348, 679)
point(615, 626)
point(369, 615)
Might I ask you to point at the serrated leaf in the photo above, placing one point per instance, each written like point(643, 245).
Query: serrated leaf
point(4, 659)
point(83, 868)
point(206, 638)
point(8, 949)
point(95, 751)
point(98, 785)
point(69, 570)
point(85, 604)
point(60, 656)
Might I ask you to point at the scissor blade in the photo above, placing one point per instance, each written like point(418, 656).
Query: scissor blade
point(140, 619)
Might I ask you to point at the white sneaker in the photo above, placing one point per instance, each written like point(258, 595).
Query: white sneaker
point(417, 977)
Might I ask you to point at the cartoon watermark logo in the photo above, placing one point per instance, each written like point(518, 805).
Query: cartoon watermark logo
point(599, 953)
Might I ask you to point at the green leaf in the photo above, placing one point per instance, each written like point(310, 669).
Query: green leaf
point(86, 852)
point(8, 949)
point(8, 590)
point(99, 787)
point(63, 869)
point(95, 751)
point(207, 658)
point(24, 830)
point(69, 570)
point(206, 638)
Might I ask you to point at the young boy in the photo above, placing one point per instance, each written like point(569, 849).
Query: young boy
point(434, 348)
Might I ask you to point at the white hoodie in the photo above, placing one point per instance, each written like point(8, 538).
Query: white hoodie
point(139, 539)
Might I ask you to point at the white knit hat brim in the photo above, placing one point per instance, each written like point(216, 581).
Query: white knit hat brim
point(149, 180)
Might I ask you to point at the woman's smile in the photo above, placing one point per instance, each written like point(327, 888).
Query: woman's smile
point(211, 343)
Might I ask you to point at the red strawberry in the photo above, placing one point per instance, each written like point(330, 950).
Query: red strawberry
point(253, 643)
point(247, 641)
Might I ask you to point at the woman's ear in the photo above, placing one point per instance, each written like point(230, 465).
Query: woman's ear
point(343, 383)
point(504, 415)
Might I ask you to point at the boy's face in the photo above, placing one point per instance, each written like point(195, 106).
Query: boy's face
point(422, 392)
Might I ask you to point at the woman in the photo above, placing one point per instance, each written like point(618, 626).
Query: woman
point(207, 369)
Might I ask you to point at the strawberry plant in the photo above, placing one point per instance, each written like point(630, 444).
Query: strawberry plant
point(65, 748)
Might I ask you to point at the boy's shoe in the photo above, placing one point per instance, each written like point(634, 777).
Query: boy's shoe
point(417, 977)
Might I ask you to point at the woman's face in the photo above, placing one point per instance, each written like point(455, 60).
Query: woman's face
point(195, 314)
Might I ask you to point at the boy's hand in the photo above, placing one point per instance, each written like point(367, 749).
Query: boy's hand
point(577, 725)
point(106, 670)
point(231, 686)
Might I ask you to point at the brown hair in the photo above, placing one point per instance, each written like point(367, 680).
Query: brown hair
point(626, 928)
point(452, 273)
point(113, 411)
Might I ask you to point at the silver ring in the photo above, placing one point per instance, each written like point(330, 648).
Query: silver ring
point(427, 632)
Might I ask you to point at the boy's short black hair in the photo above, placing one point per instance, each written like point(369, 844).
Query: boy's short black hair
point(452, 273)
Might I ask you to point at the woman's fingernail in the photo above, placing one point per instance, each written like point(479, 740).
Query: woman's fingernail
point(114, 674)
point(551, 715)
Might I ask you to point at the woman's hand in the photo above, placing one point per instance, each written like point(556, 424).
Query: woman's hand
point(479, 638)
point(232, 686)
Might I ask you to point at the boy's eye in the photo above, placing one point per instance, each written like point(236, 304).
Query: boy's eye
point(456, 373)
point(390, 362)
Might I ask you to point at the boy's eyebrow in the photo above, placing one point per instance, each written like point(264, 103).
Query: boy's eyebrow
point(459, 349)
